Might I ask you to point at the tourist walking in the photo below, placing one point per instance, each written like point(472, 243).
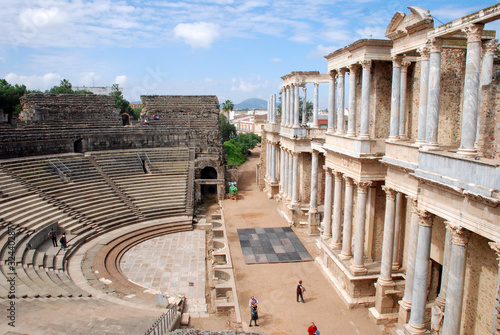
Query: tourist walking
point(313, 330)
point(53, 235)
point(254, 314)
point(253, 299)
point(63, 241)
point(300, 290)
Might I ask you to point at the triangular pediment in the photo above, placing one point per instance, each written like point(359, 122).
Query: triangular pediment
point(402, 24)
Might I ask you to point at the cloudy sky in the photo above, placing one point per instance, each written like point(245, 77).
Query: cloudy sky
point(233, 49)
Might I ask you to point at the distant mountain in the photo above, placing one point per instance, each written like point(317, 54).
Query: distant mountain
point(253, 103)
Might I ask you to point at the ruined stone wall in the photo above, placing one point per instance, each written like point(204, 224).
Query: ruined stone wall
point(480, 286)
point(305, 162)
point(412, 94)
point(69, 108)
point(378, 230)
point(452, 85)
point(489, 121)
point(380, 109)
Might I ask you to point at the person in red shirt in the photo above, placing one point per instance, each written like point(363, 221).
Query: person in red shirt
point(312, 328)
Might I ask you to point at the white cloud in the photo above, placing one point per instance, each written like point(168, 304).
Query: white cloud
point(88, 79)
point(198, 35)
point(451, 12)
point(120, 80)
point(2, 60)
point(35, 82)
point(53, 17)
point(371, 32)
point(248, 85)
point(275, 60)
point(322, 50)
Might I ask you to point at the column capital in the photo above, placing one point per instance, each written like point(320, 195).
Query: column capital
point(366, 64)
point(353, 68)
point(327, 169)
point(404, 65)
point(460, 235)
point(414, 203)
point(338, 175)
point(425, 51)
point(390, 193)
point(436, 44)
point(425, 218)
point(304, 88)
point(490, 46)
point(333, 73)
point(348, 181)
point(496, 248)
point(342, 71)
point(315, 152)
point(316, 85)
point(396, 60)
point(362, 186)
point(474, 32)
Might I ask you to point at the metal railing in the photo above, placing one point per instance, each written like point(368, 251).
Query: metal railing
point(163, 324)
point(60, 169)
point(148, 162)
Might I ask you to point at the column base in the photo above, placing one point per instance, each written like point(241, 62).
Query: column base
point(313, 222)
point(340, 132)
point(350, 135)
point(363, 136)
point(358, 270)
point(430, 147)
point(419, 143)
point(336, 245)
point(384, 301)
point(404, 312)
point(393, 138)
point(345, 257)
point(381, 319)
point(467, 152)
point(410, 329)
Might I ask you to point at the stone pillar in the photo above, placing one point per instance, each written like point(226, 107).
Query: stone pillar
point(295, 178)
point(347, 232)
point(313, 205)
point(273, 162)
point(337, 212)
point(365, 100)
point(395, 97)
point(471, 90)
point(285, 175)
point(331, 101)
point(433, 98)
point(351, 123)
point(304, 105)
point(398, 222)
point(282, 171)
point(424, 91)
point(315, 107)
point(288, 107)
point(358, 267)
point(340, 102)
point(327, 219)
point(441, 299)
point(268, 155)
point(284, 112)
point(290, 175)
point(273, 108)
point(496, 247)
point(421, 277)
point(456, 279)
point(384, 303)
point(489, 49)
point(402, 102)
point(405, 303)
point(296, 106)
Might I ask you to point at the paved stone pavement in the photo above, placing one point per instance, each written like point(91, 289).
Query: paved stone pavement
point(171, 264)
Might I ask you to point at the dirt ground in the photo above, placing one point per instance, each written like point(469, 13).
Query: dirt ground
point(274, 284)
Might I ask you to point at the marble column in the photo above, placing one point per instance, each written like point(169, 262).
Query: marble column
point(296, 106)
point(395, 97)
point(337, 212)
point(340, 102)
point(268, 156)
point(405, 303)
point(424, 91)
point(331, 101)
point(347, 231)
point(295, 177)
point(313, 205)
point(291, 172)
point(288, 94)
point(398, 222)
point(282, 171)
point(358, 266)
point(388, 238)
point(273, 163)
point(402, 102)
point(471, 90)
point(304, 105)
point(433, 97)
point(273, 108)
point(421, 277)
point(489, 49)
point(365, 100)
point(285, 175)
point(315, 107)
point(327, 219)
point(284, 112)
point(441, 299)
point(351, 122)
point(456, 280)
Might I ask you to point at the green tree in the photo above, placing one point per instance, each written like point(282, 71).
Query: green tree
point(9, 97)
point(227, 106)
point(247, 141)
point(234, 154)
point(226, 129)
point(64, 87)
point(120, 102)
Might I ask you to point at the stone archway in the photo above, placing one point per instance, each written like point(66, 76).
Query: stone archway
point(208, 190)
